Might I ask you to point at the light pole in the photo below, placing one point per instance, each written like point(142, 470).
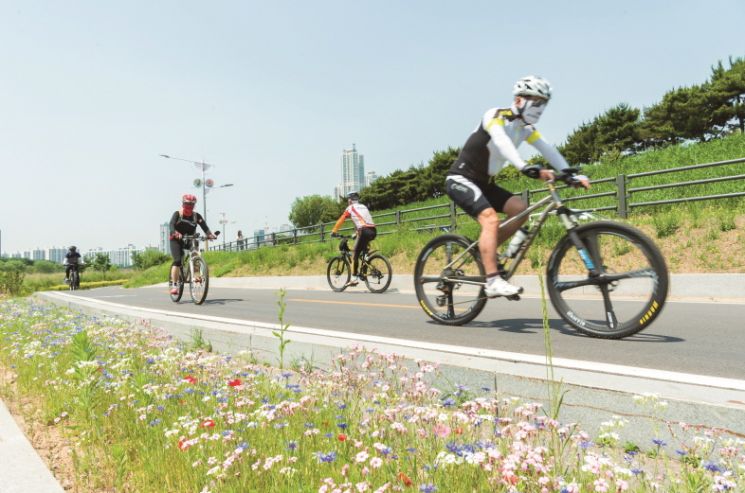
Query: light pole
point(202, 166)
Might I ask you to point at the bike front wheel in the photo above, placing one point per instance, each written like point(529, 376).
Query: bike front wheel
point(449, 278)
point(628, 292)
point(338, 273)
point(200, 282)
point(378, 273)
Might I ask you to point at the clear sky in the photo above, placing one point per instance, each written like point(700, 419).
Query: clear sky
point(92, 92)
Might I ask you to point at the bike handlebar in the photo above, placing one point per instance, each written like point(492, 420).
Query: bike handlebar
point(567, 175)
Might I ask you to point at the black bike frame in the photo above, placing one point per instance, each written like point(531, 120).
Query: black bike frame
point(552, 203)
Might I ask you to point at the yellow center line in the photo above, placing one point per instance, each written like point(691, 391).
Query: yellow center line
point(376, 305)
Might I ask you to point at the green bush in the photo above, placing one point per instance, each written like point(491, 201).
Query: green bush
point(12, 274)
point(150, 257)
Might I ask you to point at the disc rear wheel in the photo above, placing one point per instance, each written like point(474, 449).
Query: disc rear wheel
point(448, 279)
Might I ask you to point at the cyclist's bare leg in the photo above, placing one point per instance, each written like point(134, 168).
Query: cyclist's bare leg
point(489, 221)
point(174, 274)
point(512, 207)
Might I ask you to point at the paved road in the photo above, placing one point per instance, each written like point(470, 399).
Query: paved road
point(699, 338)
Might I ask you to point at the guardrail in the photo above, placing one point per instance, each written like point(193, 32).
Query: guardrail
point(444, 215)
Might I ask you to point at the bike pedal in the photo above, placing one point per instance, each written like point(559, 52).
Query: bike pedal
point(514, 297)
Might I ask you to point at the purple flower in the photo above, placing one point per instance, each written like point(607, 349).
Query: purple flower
point(449, 402)
point(710, 466)
point(659, 442)
point(292, 445)
point(428, 488)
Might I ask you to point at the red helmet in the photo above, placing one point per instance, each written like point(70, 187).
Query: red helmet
point(189, 199)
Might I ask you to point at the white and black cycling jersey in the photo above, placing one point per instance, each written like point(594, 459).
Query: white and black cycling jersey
point(494, 144)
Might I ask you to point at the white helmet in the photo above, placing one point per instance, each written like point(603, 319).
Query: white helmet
point(532, 86)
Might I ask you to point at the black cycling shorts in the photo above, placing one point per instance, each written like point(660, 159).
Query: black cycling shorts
point(473, 198)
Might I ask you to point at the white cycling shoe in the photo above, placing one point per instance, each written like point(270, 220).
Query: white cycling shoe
point(496, 286)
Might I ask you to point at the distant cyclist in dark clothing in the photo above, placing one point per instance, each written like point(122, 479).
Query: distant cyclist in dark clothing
point(72, 257)
point(184, 222)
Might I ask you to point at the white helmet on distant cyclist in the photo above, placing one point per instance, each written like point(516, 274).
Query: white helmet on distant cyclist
point(532, 85)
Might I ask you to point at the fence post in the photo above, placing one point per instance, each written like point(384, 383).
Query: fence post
point(525, 195)
point(322, 235)
point(294, 236)
point(398, 219)
point(274, 239)
point(621, 184)
point(453, 216)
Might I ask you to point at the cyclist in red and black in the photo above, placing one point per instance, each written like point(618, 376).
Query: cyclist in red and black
point(184, 222)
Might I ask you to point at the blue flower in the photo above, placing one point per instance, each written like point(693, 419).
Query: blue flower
point(710, 466)
point(343, 426)
point(155, 422)
point(292, 445)
point(428, 488)
point(330, 457)
point(636, 471)
point(659, 442)
point(449, 402)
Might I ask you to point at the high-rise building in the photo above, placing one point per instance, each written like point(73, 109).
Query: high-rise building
point(57, 255)
point(39, 254)
point(352, 170)
point(370, 177)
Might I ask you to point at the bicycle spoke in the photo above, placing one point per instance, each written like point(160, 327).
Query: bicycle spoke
point(625, 296)
point(610, 315)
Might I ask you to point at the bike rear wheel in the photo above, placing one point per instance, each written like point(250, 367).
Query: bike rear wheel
point(180, 286)
point(338, 273)
point(450, 294)
point(378, 273)
point(200, 282)
point(626, 296)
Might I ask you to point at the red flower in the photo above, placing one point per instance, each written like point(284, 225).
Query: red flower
point(342, 437)
point(189, 379)
point(458, 430)
point(235, 383)
point(406, 480)
point(208, 423)
point(183, 444)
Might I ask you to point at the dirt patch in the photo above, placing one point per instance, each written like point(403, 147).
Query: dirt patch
point(48, 439)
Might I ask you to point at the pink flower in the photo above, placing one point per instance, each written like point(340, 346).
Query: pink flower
point(441, 430)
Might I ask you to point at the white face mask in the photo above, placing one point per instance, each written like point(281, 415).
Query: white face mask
point(532, 110)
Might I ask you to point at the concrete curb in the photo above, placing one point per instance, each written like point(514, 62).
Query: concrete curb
point(21, 468)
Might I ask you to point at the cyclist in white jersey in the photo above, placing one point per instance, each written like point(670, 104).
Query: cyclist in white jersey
point(490, 148)
point(365, 226)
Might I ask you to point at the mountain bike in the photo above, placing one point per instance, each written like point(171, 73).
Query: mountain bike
point(375, 269)
point(605, 279)
point(193, 271)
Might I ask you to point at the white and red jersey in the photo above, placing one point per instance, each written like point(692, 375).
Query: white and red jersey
point(359, 214)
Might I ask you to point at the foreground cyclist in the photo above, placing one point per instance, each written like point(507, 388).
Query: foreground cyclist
point(366, 231)
point(488, 149)
point(184, 222)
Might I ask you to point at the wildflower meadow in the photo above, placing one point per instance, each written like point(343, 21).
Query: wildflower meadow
point(146, 413)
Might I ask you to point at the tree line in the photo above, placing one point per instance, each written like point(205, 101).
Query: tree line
point(699, 112)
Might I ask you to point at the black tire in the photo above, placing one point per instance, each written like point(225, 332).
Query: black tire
point(633, 271)
point(177, 297)
point(74, 280)
point(378, 273)
point(436, 297)
point(338, 273)
point(199, 285)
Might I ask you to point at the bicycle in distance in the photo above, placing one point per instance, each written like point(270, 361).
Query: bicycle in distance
point(605, 279)
point(193, 271)
point(375, 269)
point(74, 280)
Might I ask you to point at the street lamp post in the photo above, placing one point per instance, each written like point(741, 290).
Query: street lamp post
point(202, 166)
